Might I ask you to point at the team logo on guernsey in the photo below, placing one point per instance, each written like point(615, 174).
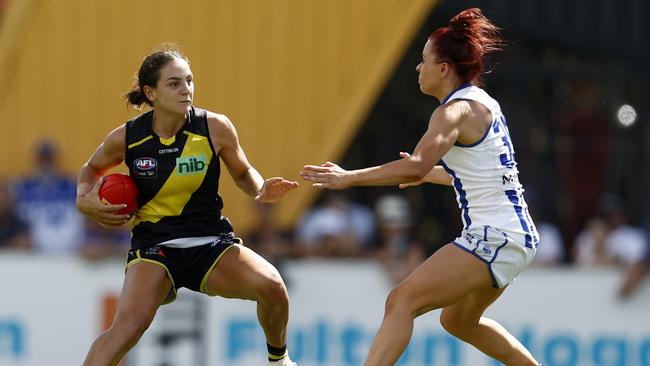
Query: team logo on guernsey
point(191, 164)
point(145, 167)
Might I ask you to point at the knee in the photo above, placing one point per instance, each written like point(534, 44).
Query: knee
point(274, 291)
point(397, 301)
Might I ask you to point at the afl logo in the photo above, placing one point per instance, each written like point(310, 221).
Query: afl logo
point(145, 167)
point(145, 163)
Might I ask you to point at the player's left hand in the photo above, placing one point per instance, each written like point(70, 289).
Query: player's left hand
point(274, 189)
point(327, 175)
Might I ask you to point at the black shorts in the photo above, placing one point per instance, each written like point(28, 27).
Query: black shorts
point(185, 267)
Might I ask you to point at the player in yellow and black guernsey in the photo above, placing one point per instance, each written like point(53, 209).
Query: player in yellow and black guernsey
point(179, 237)
point(178, 182)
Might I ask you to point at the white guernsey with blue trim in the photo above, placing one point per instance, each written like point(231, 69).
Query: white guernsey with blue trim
point(497, 226)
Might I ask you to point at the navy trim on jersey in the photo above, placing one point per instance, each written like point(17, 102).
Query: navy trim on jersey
point(462, 195)
point(514, 198)
point(487, 131)
point(462, 86)
point(496, 252)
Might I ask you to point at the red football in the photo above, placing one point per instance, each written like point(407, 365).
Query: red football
point(117, 189)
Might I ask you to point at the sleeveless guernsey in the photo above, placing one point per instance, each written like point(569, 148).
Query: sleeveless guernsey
point(178, 184)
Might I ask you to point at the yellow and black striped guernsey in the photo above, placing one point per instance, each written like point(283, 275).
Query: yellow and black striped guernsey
point(177, 179)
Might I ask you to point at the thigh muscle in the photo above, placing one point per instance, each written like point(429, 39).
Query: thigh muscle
point(443, 279)
point(241, 273)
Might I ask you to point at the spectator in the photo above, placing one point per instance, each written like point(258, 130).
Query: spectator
point(590, 248)
point(582, 143)
point(13, 231)
point(338, 227)
point(396, 250)
point(46, 201)
point(626, 243)
point(611, 240)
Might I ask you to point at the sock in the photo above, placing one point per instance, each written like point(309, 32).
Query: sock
point(276, 353)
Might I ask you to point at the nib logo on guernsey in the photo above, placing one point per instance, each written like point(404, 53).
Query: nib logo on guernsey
point(190, 164)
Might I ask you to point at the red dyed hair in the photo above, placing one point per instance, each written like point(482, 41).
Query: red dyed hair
point(463, 43)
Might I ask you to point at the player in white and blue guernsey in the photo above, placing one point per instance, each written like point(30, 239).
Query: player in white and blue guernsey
point(497, 226)
point(468, 136)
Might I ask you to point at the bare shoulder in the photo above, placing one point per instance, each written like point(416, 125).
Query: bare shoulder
point(218, 121)
point(111, 151)
point(222, 131)
point(116, 139)
point(454, 112)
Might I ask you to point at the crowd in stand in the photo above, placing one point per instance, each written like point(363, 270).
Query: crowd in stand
point(585, 192)
point(560, 105)
point(38, 214)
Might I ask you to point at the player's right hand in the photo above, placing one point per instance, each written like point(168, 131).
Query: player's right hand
point(90, 205)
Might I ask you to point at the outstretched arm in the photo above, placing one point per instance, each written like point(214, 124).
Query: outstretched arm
point(109, 154)
point(437, 175)
point(441, 134)
point(246, 177)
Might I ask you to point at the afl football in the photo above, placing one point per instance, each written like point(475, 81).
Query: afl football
point(119, 189)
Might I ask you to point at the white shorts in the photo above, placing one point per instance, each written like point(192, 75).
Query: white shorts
point(505, 254)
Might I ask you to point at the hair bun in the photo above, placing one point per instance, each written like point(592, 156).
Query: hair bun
point(468, 37)
point(465, 19)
